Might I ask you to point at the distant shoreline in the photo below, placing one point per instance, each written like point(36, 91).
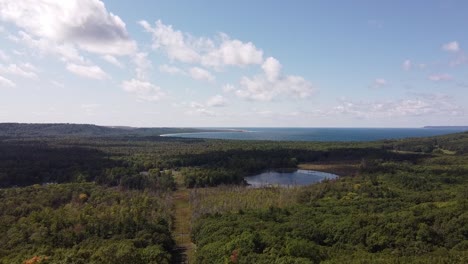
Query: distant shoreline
point(204, 132)
point(317, 134)
point(447, 127)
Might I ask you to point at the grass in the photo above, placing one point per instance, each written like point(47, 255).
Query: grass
point(224, 199)
point(182, 214)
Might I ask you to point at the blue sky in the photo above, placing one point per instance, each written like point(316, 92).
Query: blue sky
point(234, 63)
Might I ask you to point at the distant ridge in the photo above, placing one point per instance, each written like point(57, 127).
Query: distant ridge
point(447, 127)
point(66, 129)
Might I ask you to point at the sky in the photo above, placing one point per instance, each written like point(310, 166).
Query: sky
point(234, 63)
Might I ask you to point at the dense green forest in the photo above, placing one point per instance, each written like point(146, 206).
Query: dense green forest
point(84, 223)
point(88, 194)
point(395, 213)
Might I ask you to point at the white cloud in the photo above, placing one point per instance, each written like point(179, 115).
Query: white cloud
point(143, 65)
point(4, 82)
point(196, 108)
point(84, 23)
point(407, 65)
point(219, 52)
point(232, 52)
point(4, 56)
point(25, 70)
point(379, 82)
point(91, 72)
point(144, 90)
point(19, 53)
point(451, 46)
point(201, 74)
point(66, 52)
point(427, 104)
point(112, 60)
point(196, 105)
point(272, 69)
point(440, 77)
point(29, 66)
point(173, 42)
point(170, 69)
point(227, 88)
point(199, 109)
point(223, 51)
point(272, 83)
point(216, 101)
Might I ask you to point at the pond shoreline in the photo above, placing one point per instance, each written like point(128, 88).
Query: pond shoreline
point(289, 178)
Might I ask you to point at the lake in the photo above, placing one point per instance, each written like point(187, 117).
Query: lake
point(288, 178)
point(320, 134)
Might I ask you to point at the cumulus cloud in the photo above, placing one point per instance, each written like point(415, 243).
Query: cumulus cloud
point(112, 60)
point(200, 74)
point(227, 88)
point(170, 69)
point(222, 51)
point(216, 101)
point(65, 51)
point(143, 65)
point(195, 73)
point(25, 70)
point(4, 56)
point(91, 72)
point(386, 109)
point(440, 77)
point(4, 82)
point(217, 52)
point(451, 46)
point(232, 52)
point(426, 104)
point(271, 83)
point(199, 109)
point(84, 23)
point(144, 90)
point(173, 42)
point(272, 69)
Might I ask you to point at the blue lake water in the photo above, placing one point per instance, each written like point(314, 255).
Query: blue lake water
point(291, 178)
point(321, 134)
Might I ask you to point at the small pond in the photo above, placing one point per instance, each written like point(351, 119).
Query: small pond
point(288, 178)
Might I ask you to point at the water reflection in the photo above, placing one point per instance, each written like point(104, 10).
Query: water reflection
point(288, 178)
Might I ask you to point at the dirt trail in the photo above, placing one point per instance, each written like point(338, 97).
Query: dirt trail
point(182, 214)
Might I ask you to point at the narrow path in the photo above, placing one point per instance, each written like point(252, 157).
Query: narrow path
point(182, 215)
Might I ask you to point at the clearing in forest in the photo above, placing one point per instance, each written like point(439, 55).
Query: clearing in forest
point(182, 221)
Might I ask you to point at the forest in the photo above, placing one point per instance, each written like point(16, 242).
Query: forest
point(89, 194)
